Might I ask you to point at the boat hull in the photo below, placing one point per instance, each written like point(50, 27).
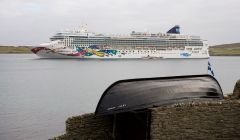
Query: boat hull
point(44, 52)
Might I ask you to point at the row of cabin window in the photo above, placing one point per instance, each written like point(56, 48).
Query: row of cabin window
point(141, 51)
point(137, 41)
point(143, 42)
point(105, 40)
point(142, 48)
point(140, 45)
point(155, 52)
point(147, 48)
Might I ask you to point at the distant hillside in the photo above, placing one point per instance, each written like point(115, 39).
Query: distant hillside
point(218, 50)
point(225, 50)
point(12, 49)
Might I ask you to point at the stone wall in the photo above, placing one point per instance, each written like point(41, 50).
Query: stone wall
point(87, 127)
point(205, 120)
point(190, 120)
point(236, 91)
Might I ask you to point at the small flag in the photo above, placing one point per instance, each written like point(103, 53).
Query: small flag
point(210, 69)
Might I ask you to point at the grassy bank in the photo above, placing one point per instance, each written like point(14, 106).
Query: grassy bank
point(11, 49)
point(218, 50)
point(225, 50)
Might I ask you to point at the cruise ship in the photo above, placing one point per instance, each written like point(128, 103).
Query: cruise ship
point(83, 44)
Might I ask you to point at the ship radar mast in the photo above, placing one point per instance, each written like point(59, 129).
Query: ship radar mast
point(83, 28)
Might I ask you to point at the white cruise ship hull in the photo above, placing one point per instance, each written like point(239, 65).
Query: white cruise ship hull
point(43, 52)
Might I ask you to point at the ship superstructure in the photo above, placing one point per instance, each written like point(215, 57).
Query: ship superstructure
point(83, 44)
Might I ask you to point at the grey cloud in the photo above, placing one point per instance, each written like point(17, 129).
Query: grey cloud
point(31, 22)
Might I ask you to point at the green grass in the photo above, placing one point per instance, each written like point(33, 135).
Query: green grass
point(225, 50)
point(10, 49)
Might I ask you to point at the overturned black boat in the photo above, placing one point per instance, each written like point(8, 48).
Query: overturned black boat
point(137, 94)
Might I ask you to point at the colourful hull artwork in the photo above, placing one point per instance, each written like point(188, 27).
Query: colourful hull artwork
point(90, 51)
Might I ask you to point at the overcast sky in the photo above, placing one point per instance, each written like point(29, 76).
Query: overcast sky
point(31, 22)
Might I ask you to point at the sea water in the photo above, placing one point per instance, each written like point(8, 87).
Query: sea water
point(38, 95)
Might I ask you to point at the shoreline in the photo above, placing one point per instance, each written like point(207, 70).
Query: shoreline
point(15, 50)
point(33, 53)
point(213, 51)
point(20, 52)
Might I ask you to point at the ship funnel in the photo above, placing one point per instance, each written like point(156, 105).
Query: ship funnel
point(174, 30)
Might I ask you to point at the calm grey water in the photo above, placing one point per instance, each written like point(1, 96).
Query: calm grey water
point(38, 95)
